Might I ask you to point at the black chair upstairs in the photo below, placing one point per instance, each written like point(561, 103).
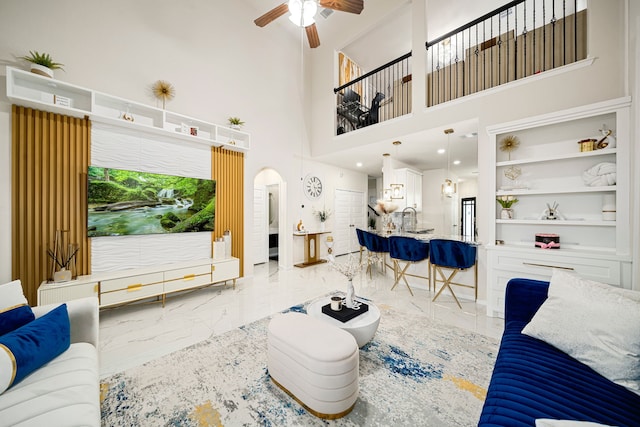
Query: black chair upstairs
point(410, 250)
point(455, 256)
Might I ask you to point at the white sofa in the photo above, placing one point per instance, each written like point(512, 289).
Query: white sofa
point(65, 391)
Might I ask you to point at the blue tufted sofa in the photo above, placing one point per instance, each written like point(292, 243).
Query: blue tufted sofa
point(532, 379)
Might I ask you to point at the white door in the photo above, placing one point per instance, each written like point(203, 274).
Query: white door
point(350, 214)
point(260, 225)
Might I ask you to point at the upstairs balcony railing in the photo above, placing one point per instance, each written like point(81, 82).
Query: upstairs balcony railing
point(379, 95)
point(517, 40)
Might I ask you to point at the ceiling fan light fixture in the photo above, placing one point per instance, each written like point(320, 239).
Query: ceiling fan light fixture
point(302, 12)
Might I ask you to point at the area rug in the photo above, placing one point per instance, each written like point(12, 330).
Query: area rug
point(415, 372)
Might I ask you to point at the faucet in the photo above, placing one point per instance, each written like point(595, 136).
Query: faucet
point(415, 213)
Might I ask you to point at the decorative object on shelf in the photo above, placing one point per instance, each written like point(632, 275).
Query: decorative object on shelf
point(552, 213)
point(42, 63)
point(235, 123)
point(219, 249)
point(449, 188)
point(547, 241)
point(300, 226)
point(602, 174)
point(164, 91)
point(609, 207)
point(608, 140)
point(587, 144)
point(349, 269)
point(509, 143)
point(312, 186)
point(127, 115)
point(63, 256)
point(386, 208)
point(506, 202)
point(512, 172)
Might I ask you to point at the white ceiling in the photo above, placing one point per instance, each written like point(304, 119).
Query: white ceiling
point(391, 39)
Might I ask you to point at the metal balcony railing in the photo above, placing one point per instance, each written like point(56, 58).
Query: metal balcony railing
point(517, 40)
point(374, 97)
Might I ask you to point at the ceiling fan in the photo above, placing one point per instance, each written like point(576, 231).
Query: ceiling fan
point(304, 11)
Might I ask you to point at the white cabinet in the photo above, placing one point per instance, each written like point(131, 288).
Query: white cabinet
point(411, 182)
point(547, 168)
point(123, 287)
point(32, 90)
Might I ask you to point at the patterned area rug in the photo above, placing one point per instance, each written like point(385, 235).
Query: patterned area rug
point(415, 372)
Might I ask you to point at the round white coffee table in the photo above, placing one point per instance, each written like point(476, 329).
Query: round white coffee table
point(362, 327)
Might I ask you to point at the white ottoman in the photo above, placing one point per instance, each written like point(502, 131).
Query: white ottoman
point(315, 363)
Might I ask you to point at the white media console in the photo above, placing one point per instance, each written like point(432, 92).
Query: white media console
point(126, 286)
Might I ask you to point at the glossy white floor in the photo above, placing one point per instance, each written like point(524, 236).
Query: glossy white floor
point(134, 334)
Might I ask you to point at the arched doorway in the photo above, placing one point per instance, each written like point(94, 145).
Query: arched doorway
point(268, 240)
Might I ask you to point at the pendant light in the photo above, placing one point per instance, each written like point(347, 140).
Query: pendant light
point(449, 188)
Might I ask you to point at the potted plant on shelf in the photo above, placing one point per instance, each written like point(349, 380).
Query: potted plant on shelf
point(42, 63)
point(235, 122)
point(506, 202)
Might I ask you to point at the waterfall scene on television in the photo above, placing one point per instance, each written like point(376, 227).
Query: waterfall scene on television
point(124, 202)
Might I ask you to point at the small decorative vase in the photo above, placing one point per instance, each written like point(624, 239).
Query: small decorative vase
point(235, 127)
point(506, 213)
point(322, 226)
point(351, 293)
point(62, 275)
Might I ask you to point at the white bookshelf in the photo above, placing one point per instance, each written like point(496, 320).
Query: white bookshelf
point(32, 90)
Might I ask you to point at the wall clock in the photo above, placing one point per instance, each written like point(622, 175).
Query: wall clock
point(312, 186)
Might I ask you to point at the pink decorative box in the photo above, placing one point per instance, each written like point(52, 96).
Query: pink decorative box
point(547, 241)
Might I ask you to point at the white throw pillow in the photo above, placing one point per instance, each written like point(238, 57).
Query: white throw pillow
point(595, 323)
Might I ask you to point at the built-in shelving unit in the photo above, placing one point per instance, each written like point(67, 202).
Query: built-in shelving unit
point(32, 90)
point(549, 168)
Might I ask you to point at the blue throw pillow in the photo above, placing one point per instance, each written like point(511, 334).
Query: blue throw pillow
point(12, 318)
point(29, 347)
point(14, 310)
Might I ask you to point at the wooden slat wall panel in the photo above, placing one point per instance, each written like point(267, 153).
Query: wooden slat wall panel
point(50, 155)
point(227, 168)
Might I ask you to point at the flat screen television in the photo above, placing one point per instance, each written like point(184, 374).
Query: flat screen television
point(125, 202)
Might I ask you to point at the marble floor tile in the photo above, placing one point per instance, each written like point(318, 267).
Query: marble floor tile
point(134, 334)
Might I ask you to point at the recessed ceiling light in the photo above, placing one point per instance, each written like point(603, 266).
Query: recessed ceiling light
point(456, 162)
point(441, 151)
point(359, 164)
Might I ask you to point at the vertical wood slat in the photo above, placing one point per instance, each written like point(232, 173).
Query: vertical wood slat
point(50, 156)
point(227, 168)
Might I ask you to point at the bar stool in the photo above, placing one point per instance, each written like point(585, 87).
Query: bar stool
point(410, 250)
point(455, 256)
point(363, 246)
point(377, 248)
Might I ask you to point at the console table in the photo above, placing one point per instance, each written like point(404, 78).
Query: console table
point(311, 248)
point(125, 286)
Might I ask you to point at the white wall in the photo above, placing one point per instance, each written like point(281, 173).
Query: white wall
point(220, 63)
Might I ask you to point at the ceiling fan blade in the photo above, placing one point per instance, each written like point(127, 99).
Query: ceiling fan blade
point(272, 15)
point(312, 36)
point(351, 6)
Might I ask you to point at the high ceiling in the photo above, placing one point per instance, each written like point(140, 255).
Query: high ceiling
point(392, 39)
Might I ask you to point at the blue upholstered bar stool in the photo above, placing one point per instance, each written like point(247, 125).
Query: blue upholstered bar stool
point(377, 250)
point(411, 251)
point(455, 256)
point(363, 246)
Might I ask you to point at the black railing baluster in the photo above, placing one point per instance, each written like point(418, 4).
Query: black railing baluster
point(451, 57)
